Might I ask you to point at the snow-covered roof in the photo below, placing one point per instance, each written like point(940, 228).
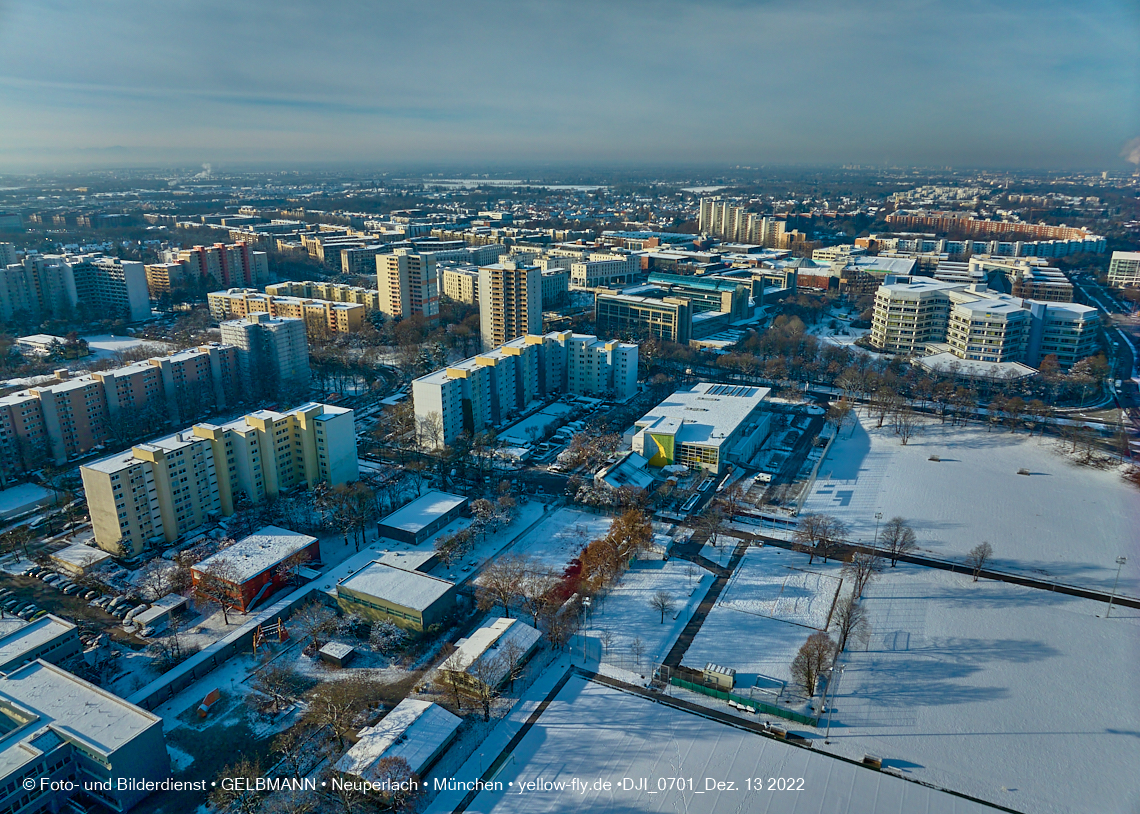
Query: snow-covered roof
point(258, 552)
point(486, 644)
point(708, 414)
point(409, 589)
point(408, 560)
point(423, 511)
point(337, 650)
point(160, 608)
point(415, 731)
point(81, 556)
point(74, 709)
point(34, 635)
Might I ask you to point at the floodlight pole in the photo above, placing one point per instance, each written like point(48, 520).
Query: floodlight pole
point(1120, 561)
point(830, 704)
point(878, 517)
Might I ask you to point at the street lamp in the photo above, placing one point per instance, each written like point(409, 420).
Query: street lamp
point(831, 702)
point(585, 621)
point(1120, 561)
point(878, 517)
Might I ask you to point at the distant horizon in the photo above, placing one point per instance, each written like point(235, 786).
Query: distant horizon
point(1041, 86)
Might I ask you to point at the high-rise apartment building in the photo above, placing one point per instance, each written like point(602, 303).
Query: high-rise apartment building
point(156, 492)
point(510, 302)
point(60, 421)
point(1124, 270)
point(112, 287)
point(233, 264)
point(7, 254)
point(460, 284)
point(333, 292)
point(408, 284)
point(322, 317)
point(272, 352)
point(489, 389)
point(39, 287)
point(721, 219)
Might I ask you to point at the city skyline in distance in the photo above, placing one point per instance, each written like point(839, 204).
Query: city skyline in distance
point(1020, 85)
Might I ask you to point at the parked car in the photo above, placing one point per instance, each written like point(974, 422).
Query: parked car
point(72, 589)
point(50, 577)
point(38, 615)
point(120, 612)
point(10, 604)
point(90, 595)
point(146, 632)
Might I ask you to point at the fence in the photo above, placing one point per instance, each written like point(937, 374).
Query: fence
point(750, 703)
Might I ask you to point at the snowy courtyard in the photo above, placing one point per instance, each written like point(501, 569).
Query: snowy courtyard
point(561, 536)
point(1020, 696)
point(1061, 521)
point(591, 732)
point(773, 602)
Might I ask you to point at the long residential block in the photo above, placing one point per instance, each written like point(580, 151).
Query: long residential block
point(156, 492)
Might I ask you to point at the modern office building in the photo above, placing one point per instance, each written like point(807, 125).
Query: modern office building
point(70, 418)
point(408, 284)
point(705, 427)
point(269, 350)
point(510, 302)
point(64, 736)
point(1124, 270)
point(639, 317)
point(491, 388)
point(978, 324)
point(158, 491)
point(1028, 277)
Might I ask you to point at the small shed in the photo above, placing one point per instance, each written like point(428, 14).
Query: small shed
point(723, 678)
point(159, 614)
point(337, 653)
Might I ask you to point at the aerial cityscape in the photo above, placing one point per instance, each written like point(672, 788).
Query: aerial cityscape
point(508, 408)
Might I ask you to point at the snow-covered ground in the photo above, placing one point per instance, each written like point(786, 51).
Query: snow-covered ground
point(741, 632)
point(1062, 521)
point(23, 498)
point(1025, 697)
point(626, 613)
point(104, 345)
point(591, 733)
point(561, 536)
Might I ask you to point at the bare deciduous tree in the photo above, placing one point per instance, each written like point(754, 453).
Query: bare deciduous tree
point(662, 602)
point(812, 661)
point(501, 581)
point(312, 621)
point(821, 533)
point(897, 538)
point(862, 569)
point(978, 556)
point(219, 581)
point(637, 647)
point(850, 621)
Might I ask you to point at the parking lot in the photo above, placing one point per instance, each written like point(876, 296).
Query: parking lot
point(72, 608)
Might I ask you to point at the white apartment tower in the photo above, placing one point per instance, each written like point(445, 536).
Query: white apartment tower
point(269, 347)
point(510, 302)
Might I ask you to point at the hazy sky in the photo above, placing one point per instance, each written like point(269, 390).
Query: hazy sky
point(962, 82)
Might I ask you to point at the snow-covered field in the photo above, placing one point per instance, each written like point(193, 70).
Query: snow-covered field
point(561, 536)
point(627, 615)
point(735, 633)
point(23, 498)
point(591, 732)
point(1025, 697)
point(103, 345)
point(1061, 522)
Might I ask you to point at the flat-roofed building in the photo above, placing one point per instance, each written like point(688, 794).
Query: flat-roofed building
point(158, 491)
point(408, 284)
point(486, 390)
point(66, 735)
point(705, 427)
point(601, 269)
point(414, 731)
point(461, 284)
point(423, 517)
point(636, 317)
point(1124, 270)
point(510, 302)
point(271, 352)
point(249, 569)
point(489, 656)
point(49, 638)
point(383, 592)
point(908, 315)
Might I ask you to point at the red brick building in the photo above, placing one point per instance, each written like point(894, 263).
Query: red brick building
point(255, 567)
